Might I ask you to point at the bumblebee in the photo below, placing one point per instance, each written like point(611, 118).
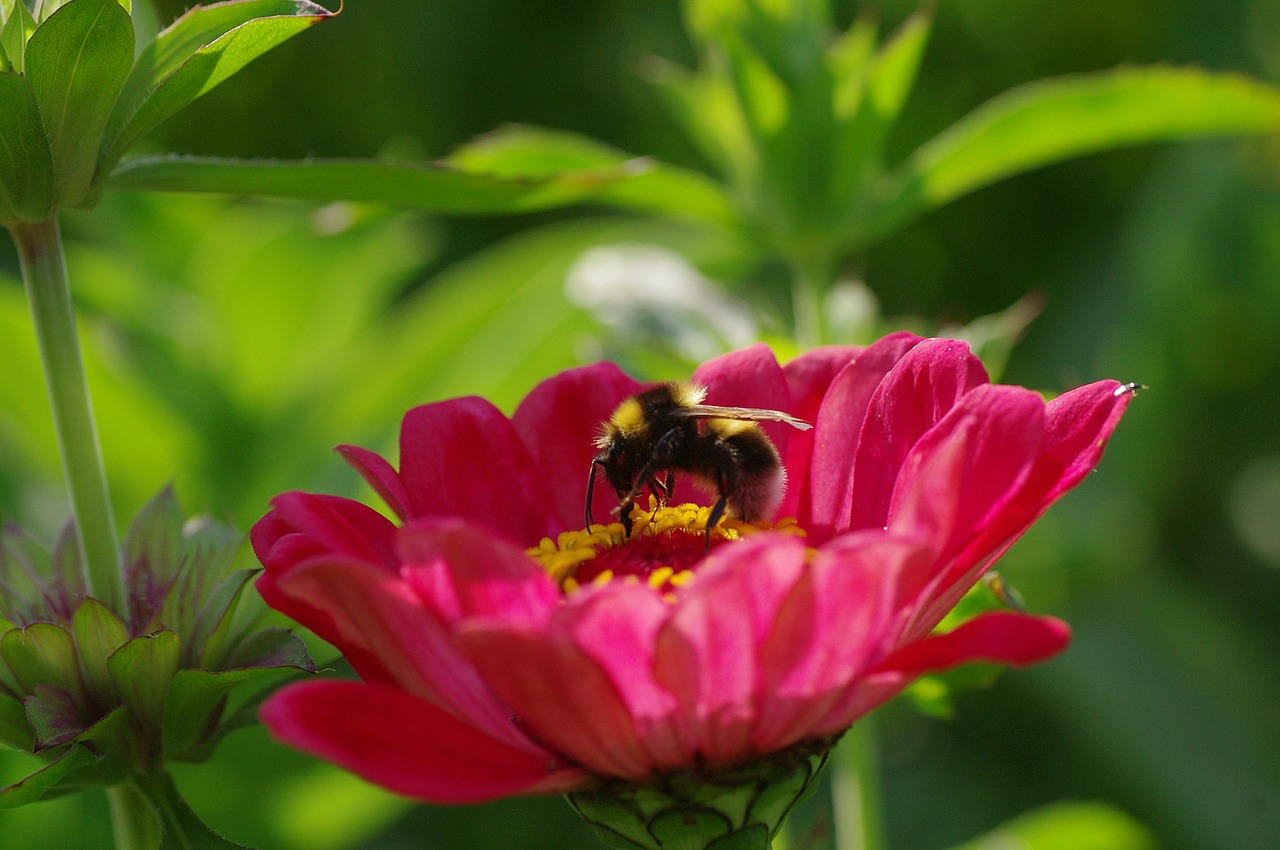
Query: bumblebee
point(666, 430)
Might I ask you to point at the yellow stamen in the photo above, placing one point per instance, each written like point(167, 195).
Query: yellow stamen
point(563, 557)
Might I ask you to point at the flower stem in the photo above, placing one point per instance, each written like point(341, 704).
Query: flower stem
point(133, 822)
point(49, 294)
point(170, 816)
point(811, 279)
point(855, 790)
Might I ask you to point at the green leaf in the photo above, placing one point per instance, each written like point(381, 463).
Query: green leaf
point(153, 545)
point(77, 60)
point(17, 30)
point(195, 704)
point(42, 654)
point(633, 184)
point(26, 165)
point(893, 71)
point(98, 633)
point(143, 670)
point(1069, 826)
point(40, 783)
point(65, 563)
point(708, 110)
point(1053, 120)
point(518, 151)
point(15, 729)
point(848, 59)
point(197, 52)
point(763, 94)
point(210, 633)
point(55, 716)
point(269, 648)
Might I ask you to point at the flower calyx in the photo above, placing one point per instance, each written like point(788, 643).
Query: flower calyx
point(737, 809)
point(99, 695)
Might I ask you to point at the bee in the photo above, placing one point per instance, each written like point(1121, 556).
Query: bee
point(667, 429)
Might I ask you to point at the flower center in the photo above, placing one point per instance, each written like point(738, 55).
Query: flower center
point(665, 546)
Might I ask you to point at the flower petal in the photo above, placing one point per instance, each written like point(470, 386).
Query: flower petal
point(303, 525)
point(390, 637)
point(462, 458)
point(914, 396)
point(1076, 429)
point(460, 571)
point(559, 420)
point(408, 745)
point(830, 630)
point(810, 375)
point(957, 479)
point(808, 378)
point(1077, 426)
point(381, 476)
point(585, 684)
point(708, 653)
point(836, 431)
point(1001, 637)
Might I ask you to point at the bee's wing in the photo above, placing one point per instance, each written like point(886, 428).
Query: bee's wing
point(750, 414)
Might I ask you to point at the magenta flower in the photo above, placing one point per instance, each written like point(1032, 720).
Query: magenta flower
point(503, 650)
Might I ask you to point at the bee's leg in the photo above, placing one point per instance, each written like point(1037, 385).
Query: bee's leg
point(717, 513)
point(625, 503)
point(668, 487)
point(646, 478)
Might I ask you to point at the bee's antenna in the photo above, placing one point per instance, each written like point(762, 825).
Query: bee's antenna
point(591, 485)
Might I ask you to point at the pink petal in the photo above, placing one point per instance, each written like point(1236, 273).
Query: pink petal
point(1077, 426)
point(558, 421)
point(810, 375)
point(407, 745)
point(390, 637)
point(561, 695)
point(381, 477)
point(460, 571)
point(836, 431)
point(832, 627)
point(617, 629)
point(300, 526)
point(958, 479)
point(808, 378)
point(708, 654)
point(462, 458)
point(1001, 637)
point(914, 396)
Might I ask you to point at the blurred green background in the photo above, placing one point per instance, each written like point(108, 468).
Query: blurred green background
point(232, 344)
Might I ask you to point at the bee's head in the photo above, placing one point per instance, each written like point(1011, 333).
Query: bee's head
point(621, 457)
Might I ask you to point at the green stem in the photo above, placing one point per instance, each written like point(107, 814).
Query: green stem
point(855, 790)
point(811, 280)
point(49, 294)
point(134, 822)
point(180, 827)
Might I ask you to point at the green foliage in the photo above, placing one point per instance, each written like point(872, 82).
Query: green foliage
point(76, 99)
point(1069, 826)
point(105, 699)
point(76, 96)
point(795, 117)
point(245, 340)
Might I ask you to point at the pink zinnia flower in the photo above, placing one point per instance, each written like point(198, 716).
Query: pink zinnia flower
point(499, 657)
